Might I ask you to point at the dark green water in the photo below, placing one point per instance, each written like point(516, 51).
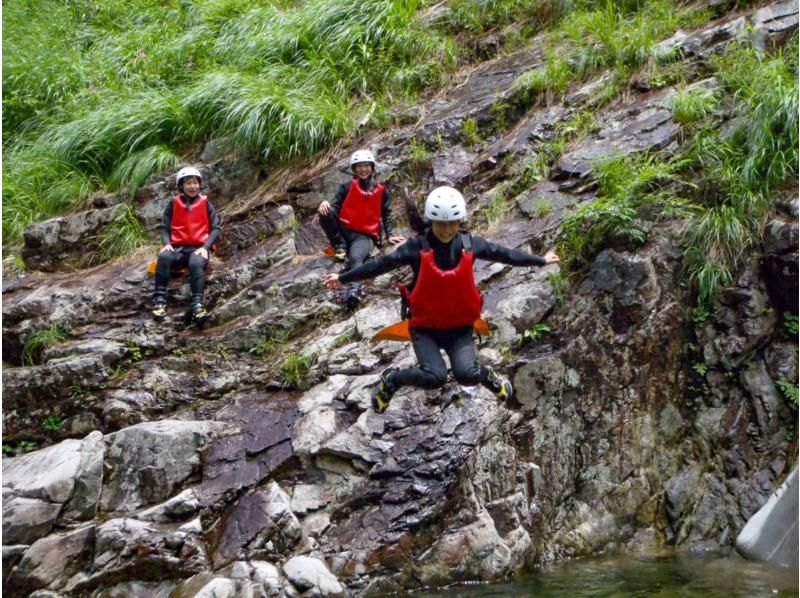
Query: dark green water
point(640, 577)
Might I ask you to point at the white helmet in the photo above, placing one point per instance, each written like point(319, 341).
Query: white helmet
point(185, 173)
point(362, 156)
point(445, 204)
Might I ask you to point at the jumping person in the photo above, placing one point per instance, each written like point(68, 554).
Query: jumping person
point(189, 230)
point(352, 222)
point(444, 301)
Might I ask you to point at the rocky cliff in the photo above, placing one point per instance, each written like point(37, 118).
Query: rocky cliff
point(243, 459)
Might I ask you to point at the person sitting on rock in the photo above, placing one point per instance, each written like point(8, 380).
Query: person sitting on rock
point(444, 301)
point(353, 220)
point(190, 227)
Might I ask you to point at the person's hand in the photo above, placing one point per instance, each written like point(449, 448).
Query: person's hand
point(332, 280)
point(201, 251)
point(551, 257)
point(167, 247)
point(395, 239)
point(324, 208)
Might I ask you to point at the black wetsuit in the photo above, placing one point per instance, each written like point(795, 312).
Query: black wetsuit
point(183, 255)
point(358, 245)
point(428, 342)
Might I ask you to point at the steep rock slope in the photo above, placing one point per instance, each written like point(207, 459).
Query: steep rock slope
point(244, 459)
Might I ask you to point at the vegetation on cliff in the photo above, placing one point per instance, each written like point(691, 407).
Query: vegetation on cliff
point(102, 95)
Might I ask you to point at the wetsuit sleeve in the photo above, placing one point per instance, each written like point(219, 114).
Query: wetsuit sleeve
point(213, 226)
point(405, 255)
point(166, 224)
point(491, 252)
point(338, 200)
point(386, 212)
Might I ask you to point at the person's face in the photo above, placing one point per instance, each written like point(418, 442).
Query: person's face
point(363, 170)
point(445, 231)
point(191, 186)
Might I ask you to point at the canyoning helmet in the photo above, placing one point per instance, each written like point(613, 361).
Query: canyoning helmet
point(185, 173)
point(445, 204)
point(362, 156)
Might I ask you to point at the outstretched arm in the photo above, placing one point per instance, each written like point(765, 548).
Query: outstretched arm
point(492, 252)
point(402, 256)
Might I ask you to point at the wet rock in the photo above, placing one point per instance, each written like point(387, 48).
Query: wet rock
point(780, 264)
point(262, 444)
point(452, 166)
point(148, 462)
point(310, 574)
point(261, 524)
point(49, 244)
point(154, 589)
point(489, 84)
point(60, 483)
point(645, 125)
point(537, 126)
point(51, 561)
point(131, 550)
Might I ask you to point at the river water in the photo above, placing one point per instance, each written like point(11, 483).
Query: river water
point(640, 577)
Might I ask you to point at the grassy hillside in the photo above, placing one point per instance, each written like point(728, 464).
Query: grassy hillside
point(99, 95)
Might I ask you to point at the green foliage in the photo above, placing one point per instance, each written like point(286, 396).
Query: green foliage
point(8, 450)
point(790, 391)
point(535, 333)
point(295, 369)
point(52, 423)
point(97, 94)
point(40, 340)
point(477, 16)
point(700, 367)
point(499, 206)
point(560, 284)
point(692, 106)
point(122, 236)
point(273, 338)
point(132, 172)
point(134, 350)
point(604, 35)
point(626, 185)
point(740, 170)
point(420, 157)
point(542, 207)
point(790, 323)
point(765, 89)
point(469, 131)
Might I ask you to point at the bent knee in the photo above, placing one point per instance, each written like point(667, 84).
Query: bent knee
point(469, 377)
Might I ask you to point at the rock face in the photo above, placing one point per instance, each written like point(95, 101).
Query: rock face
point(244, 460)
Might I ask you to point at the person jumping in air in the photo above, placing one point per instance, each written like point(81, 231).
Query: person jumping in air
point(353, 220)
point(443, 301)
point(189, 230)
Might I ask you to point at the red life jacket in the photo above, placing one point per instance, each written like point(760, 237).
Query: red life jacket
point(361, 210)
point(190, 224)
point(444, 299)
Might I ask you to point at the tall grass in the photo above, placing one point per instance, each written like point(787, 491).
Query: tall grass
point(605, 35)
point(742, 170)
point(135, 85)
point(627, 186)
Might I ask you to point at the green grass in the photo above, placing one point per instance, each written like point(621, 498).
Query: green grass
point(470, 133)
point(693, 106)
point(619, 36)
point(295, 369)
point(36, 343)
point(102, 95)
point(739, 172)
point(627, 186)
point(122, 236)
